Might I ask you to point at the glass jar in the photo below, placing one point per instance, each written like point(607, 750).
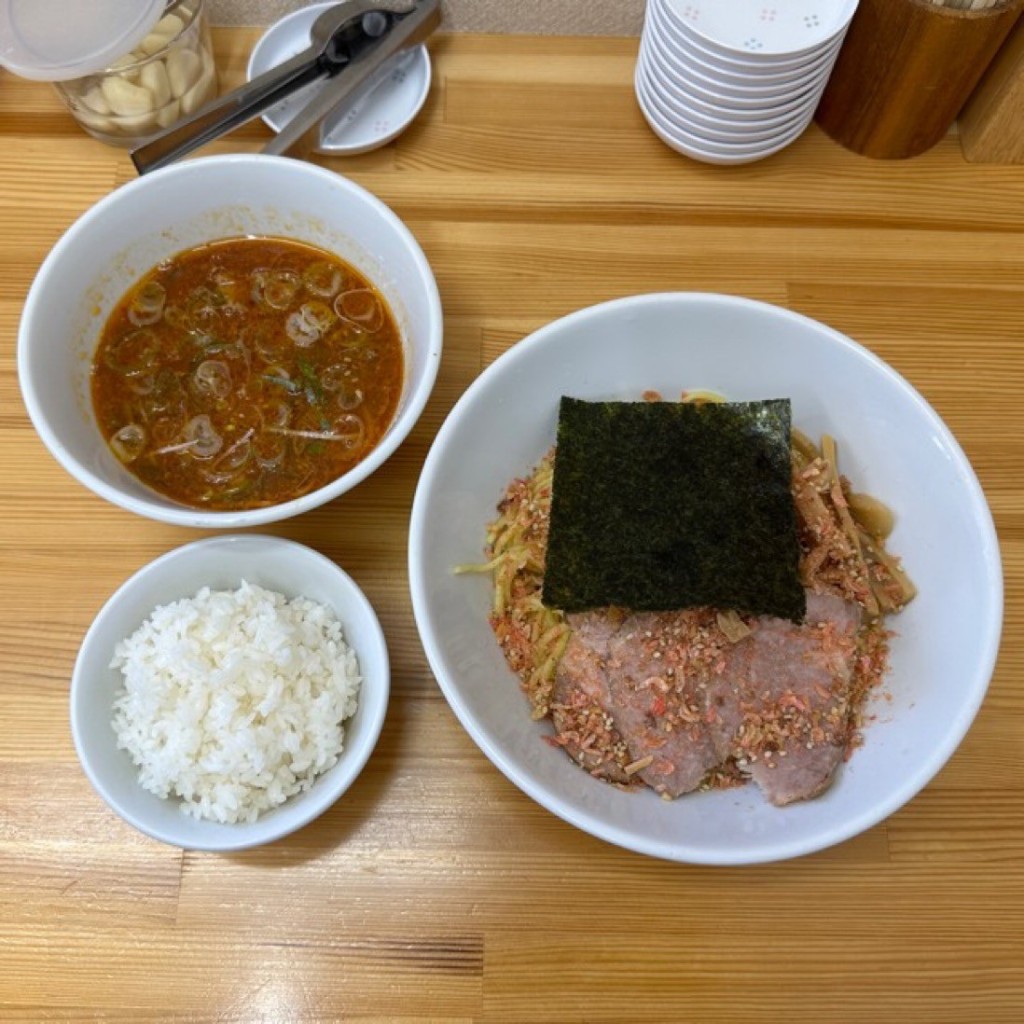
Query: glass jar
point(168, 75)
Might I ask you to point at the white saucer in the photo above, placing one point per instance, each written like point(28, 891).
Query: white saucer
point(763, 28)
point(686, 50)
point(382, 109)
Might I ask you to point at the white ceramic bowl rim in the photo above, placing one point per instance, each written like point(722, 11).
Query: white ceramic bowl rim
point(675, 142)
point(782, 86)
point(664, 24)
point(718, 111)
point(404, 420)
point(743, 60)
point(699, 146)
point(225, 838)
point(805, 27)
point(688, 89)
point(730, 143)
point(933, 760)
point(721, 122)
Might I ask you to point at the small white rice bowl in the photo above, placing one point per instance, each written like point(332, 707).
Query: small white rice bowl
point(229, 692)
point(235, 700)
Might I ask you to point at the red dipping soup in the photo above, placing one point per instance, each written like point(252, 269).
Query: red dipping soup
point(247, 372)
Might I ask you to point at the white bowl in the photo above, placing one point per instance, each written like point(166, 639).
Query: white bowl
point(891, 443)
point(385, 105)
point(772, 92)
point(736, 60)
point(691, 89)
point(700, 144)
point(674, 141)
point(723, 121)
point(675, 116)
point(684, 57)
point(688, 145)
point(151, 218)
point(698, 152)
point(222, 563)
point(735, 146)
point(712, 110)
point(724, 110)
point(796, 28)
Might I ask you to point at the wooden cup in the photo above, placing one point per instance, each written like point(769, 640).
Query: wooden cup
point(904, 72)
point(992, 122)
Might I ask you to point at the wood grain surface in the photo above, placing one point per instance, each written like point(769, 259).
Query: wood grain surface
point(992, 122)
point(905, 70)
point(435, 890)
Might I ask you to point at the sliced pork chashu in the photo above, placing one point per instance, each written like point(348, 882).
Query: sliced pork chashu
point(581, 699)
point(634, 667)
point(666, 698)
point(656, 704)
point(780, 705)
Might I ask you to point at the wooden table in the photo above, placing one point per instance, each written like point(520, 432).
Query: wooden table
point(435, 890)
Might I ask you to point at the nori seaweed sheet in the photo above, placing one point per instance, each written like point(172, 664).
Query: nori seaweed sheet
point(660, 506)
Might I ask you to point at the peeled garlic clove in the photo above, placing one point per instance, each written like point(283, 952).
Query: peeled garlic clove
point(163, 33)
point(94, 100)
point(199, 93)
point(123, 63)
point(166, 117)
point(97, 121)
point(154, 78)
point(139, 124)
point(169, 25)
point(183, 69)
point(154, 43)
point(126, 99)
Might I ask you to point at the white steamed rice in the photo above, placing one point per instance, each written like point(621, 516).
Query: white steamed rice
point(233, 701)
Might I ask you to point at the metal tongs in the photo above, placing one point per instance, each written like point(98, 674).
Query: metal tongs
point(349, 42)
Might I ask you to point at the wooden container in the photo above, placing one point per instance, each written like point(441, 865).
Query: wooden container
point(905, 70)
point(992, 122)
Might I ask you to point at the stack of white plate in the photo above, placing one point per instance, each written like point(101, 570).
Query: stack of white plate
point(732, 82)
